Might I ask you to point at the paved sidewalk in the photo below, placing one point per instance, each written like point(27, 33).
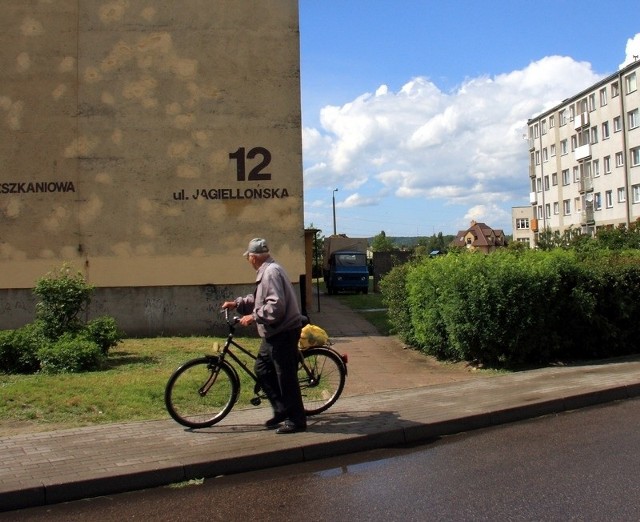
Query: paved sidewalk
point(46, 468)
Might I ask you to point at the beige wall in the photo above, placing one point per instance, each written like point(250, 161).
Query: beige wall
point(125, 124)
point(118, 120)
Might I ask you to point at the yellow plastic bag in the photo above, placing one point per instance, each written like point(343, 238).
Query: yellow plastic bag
point(312, 335)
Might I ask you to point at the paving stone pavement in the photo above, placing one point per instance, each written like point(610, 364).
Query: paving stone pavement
point(393, 396)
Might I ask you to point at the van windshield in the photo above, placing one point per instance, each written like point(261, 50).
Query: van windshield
point(351, 260)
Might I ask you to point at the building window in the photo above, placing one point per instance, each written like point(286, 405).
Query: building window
point(608, 199)
point(563, 148)
point(635, 156)
point(522, 223)
point(592, 102)
point(556, 208)
point(633, 118)
point(537, 157)
point(552, 150)
point(622, 195)
point(547, 210)
point(605, 130)
point(539, 211)
point(594, 134)
point(597, 201)
point(552, 122)
point(603, 97)
point(566, 207)
point(619, 159)
point(607, 164)
point(635, 193)
point(562, 116)
point(615, 89)
point(595, 168)
point(544, 127)
point(538, 185)
point(630, 82)
point(546, 182)
point(565, 177)
point(554, 179)
point(617, 124)
point(576, 174)
point(574, 142)
point(577, 206)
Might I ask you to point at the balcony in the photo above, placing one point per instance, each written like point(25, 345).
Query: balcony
point(586, 184)
point(533, 198)
point(532, 144)
point(582, 152)
point(581, 120)
point(586, 217)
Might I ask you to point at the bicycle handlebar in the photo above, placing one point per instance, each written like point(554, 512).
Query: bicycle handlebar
point(234, 320)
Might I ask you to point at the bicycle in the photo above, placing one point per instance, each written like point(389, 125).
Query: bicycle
point(202, 391)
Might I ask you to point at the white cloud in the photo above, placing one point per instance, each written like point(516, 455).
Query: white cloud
point(632, 51)
point(460, 147)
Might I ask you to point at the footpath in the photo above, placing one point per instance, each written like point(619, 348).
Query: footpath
point(392, 397)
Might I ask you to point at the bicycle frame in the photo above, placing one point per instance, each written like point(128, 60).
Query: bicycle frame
point(227, 352)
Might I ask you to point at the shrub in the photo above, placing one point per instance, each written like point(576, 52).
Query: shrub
point(63, 296)
point(19, 349)
point(104, 332)
point(520, 307)
point(70, 353)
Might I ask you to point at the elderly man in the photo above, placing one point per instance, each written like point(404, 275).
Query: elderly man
point(274, 308)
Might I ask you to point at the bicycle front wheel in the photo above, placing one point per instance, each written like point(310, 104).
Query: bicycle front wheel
point(322, 381)
point(201, 392)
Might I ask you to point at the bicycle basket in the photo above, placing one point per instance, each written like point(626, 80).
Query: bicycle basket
point(312, 335)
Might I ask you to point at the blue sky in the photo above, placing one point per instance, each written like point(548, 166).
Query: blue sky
point(415, 109)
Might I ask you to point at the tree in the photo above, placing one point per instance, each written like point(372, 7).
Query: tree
point(381, 243)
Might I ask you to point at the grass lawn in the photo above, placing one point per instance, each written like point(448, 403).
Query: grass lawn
point(131, 387)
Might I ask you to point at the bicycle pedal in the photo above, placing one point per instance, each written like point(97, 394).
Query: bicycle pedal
point(255, 401)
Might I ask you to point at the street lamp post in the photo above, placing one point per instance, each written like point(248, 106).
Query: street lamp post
point(334, 211)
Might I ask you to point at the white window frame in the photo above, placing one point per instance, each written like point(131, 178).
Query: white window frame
point(633, 118)
point(634, 155)
point(607, 164)
point(635, 193)
point(566, 177)
point(608, 199)
point(595, 168)
point(631, 82)
point(619, 159)
point(597, 201)
point(566, 207)
point(622, 195)
point(605, 130)
point(615, 90)
point(594, 134)
point(617, 124)
point(603, 97)
point(556, 208)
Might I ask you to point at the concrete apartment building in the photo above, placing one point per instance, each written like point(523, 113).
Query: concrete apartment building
point(584, 161)
point(144, 144)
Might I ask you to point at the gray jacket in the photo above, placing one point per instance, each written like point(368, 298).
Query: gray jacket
point(274, 304)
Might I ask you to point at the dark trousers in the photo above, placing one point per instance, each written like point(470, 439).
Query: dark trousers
point(277, 371)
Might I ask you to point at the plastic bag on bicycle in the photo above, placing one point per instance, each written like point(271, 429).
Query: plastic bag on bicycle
point(312, 335)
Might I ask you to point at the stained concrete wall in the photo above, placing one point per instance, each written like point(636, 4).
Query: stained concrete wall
point(145, 142)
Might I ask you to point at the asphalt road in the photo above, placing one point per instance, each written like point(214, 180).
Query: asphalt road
point(580, 465)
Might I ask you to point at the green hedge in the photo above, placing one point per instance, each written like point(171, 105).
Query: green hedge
point(515, 307)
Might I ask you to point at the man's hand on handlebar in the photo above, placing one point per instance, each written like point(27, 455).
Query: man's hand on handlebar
point(245, 320)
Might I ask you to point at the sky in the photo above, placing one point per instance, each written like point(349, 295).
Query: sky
point(416, 110)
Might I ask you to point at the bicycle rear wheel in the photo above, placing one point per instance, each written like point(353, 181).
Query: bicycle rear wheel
point(201, 392)
point(323, 387)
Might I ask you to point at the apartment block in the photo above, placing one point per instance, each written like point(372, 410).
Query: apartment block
point(584, 160)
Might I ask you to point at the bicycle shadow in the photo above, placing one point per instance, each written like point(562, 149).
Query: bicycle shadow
point(345, 423)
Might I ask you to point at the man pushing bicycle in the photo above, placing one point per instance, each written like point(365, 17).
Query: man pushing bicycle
point(274, 308)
